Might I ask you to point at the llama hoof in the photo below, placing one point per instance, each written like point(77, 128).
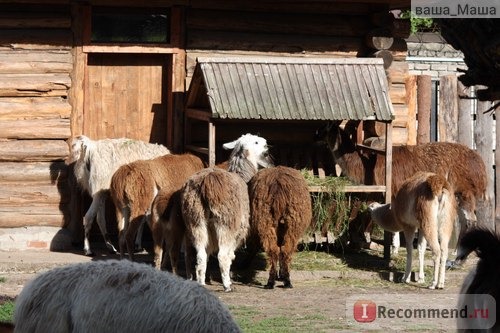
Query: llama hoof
point(421, 280)
point(111, 248)
point(287, 284)
point(269, 286)
point(89, 253)
point(432, 286)
point(227, 289)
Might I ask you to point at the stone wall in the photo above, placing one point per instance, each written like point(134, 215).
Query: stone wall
point(429, 54)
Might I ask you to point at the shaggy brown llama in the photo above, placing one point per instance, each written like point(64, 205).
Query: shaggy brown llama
point(424, 202)
point(170, 230)
point(134, 186)
point(280, 212)
point(215, 205)
point(463, 168)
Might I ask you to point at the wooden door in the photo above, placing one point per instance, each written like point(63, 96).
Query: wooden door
point(126, 96)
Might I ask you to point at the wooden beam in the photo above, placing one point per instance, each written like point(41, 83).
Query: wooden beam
point(351, 188)
point(424, 85)
point(388, 236)
point(211, 144)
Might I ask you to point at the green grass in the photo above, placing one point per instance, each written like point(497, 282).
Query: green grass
point(250, 320)
point(6, 311)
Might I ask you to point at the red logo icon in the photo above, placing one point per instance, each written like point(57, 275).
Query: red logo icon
point(364, 311)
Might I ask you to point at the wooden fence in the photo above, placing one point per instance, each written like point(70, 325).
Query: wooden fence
point(448, 111)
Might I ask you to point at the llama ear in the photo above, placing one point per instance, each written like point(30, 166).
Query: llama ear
point(230, 145)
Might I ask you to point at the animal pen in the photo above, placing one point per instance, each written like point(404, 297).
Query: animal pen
point(286, 99)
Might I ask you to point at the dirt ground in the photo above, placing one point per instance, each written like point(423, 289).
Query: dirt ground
point(316, 303)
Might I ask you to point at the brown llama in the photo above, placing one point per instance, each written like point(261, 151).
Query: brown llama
point(215, 205)
point(166, 218)
point(483, 279)
point(424, 202)
point(462, 167)
point(134, 186)
point(280, 212)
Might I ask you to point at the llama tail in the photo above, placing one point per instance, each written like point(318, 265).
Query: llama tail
point(485, 242)
point(438, 185)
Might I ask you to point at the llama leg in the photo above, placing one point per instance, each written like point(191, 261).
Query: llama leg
point(442, 268)
point(88, 219)
point(138, 238)
point(395, 243)
point(224, 258)
point(285, 260)
point(157, 233)
point(432, 238)
point(200, 244)
point(101, 219)
point(409, 235)
point(135, 222)
point(422, 245)
point(272, 250)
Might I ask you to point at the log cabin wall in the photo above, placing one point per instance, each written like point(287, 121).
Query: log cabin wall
point(304, 29)
point(35, 67)
point(42, 71)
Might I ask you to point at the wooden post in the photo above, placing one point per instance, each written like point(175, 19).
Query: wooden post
point(388, 184)
point(497, 172)
point(483, 136)
point(424, 97)
point(411, 102)
point(211, 144)
point(464, 115)
point(448, 109)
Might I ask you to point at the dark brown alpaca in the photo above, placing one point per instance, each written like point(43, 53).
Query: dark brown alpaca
point(280, 212)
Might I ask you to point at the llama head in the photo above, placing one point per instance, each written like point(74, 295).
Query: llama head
point(338, 140)
point(253, 148)
point(77, 147)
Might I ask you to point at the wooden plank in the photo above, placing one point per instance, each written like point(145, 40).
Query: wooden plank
point(351, 188)
point(31, 215)
point(48, 172)
point(424, 85)
point(27, 194)
point(465, 115)
point(211, 144)
point(126, 48)
point(411, 102)
point(448, 109)
point(34, 84)
point(21, 62)
point(34, 108)
point(397, 94)
point(55, 128)
point(198, 114)
point(33, 150)
point(398, 72)
point(77, 90)
point(483, 137)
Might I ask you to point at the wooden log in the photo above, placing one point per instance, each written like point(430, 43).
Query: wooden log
point(12, 85)
point(55, 128)
point(448, 109)
point(424, 86)
point(397, 72)
point(34, 108)
point(379, 39)
point(31, 215)
point(288, 43)
point(465, 115)
point(483, 137)
point(28, 20)
point(47, 172)
point(35, 39)
point(33, 150)
point(25, 194)
point(397, 93)
point(278, 22)
point(411, 102)
point(386, 56)
point(401, 28)
point(22, 62)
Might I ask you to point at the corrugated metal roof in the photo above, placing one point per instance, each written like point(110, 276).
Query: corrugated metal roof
point(288, 88)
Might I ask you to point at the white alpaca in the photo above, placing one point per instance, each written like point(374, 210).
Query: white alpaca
point(215, 205)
